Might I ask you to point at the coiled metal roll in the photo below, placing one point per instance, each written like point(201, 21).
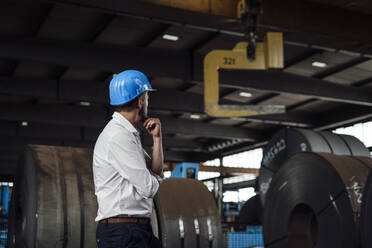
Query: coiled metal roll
point(314, 200)
point(54, 204)
point(289, 141)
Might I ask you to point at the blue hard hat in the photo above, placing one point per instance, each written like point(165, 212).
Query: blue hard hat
point(127, 85)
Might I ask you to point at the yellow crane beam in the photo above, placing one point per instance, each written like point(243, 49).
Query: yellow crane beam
point(227, 8)
point(269, 54)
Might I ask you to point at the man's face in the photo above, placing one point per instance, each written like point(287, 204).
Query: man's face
point(145, 103)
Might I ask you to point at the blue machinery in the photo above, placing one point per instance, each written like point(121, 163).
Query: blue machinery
point(4, 200)
point(186, 170)
point(4, 208)
point(252, 237)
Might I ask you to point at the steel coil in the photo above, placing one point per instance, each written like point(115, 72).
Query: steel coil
point(289, 141)
point(187, 215)
point(54, 199)
point(315, 201)
point(54, 204)
point(251, 212)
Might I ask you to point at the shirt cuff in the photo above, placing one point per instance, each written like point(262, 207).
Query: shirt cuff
point(159, 178)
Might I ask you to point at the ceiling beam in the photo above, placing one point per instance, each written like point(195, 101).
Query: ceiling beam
point(289, 15)
point(338, 68)
point(77, 136)
point(60, 114)
point(106, 58)
point(181, 156)
point(171, 125)
point(229, 170)
point(306, 54)
point(173, 142)
point(157, 13)
point(11, 148)
point(281, 82)
point(54, 114)
point(97, 92)
point(174, 64)
point(343, 116)
point(317, 18)
point(239, 185)
point(198, 128)
point(288, 119)
point(91, 134)
point(226, 8)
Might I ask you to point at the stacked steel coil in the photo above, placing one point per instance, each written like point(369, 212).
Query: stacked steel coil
point(289, 141)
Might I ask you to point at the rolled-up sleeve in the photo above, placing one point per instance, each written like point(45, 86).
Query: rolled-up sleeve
point(128, 160)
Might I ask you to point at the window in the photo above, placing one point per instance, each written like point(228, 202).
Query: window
point(248, 159)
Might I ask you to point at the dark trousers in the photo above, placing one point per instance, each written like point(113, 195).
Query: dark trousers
point(128, 235)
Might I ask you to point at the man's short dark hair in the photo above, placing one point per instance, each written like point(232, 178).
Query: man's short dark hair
point(129, 106)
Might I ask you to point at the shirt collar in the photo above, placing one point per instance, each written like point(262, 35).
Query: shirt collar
point(124, 122)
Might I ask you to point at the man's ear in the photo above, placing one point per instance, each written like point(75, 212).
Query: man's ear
point(139, 102)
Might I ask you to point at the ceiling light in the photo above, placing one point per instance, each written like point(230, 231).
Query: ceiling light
point(319, 64)
point(85, 103)
point(170, 37)
point(24, 123)
point(245, 94)
point(195, 117)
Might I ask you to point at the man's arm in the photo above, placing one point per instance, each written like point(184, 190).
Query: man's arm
point(157, 157)
point(153, 126)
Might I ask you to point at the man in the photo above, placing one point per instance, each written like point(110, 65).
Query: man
point(124, 184)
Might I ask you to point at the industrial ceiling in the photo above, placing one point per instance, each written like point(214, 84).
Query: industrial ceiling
point(57, 59)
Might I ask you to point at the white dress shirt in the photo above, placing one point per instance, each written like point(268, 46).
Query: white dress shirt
point(123, 184)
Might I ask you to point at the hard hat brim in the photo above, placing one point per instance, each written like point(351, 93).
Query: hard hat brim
point(124, 102)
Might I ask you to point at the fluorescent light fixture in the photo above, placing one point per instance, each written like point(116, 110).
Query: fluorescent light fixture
point(195, 117)
point(24, 123)
point(245, 94)
point(84, 103)
point(319, 64)
point(170, 37)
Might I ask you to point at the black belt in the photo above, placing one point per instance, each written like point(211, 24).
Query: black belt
point(124, 219)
